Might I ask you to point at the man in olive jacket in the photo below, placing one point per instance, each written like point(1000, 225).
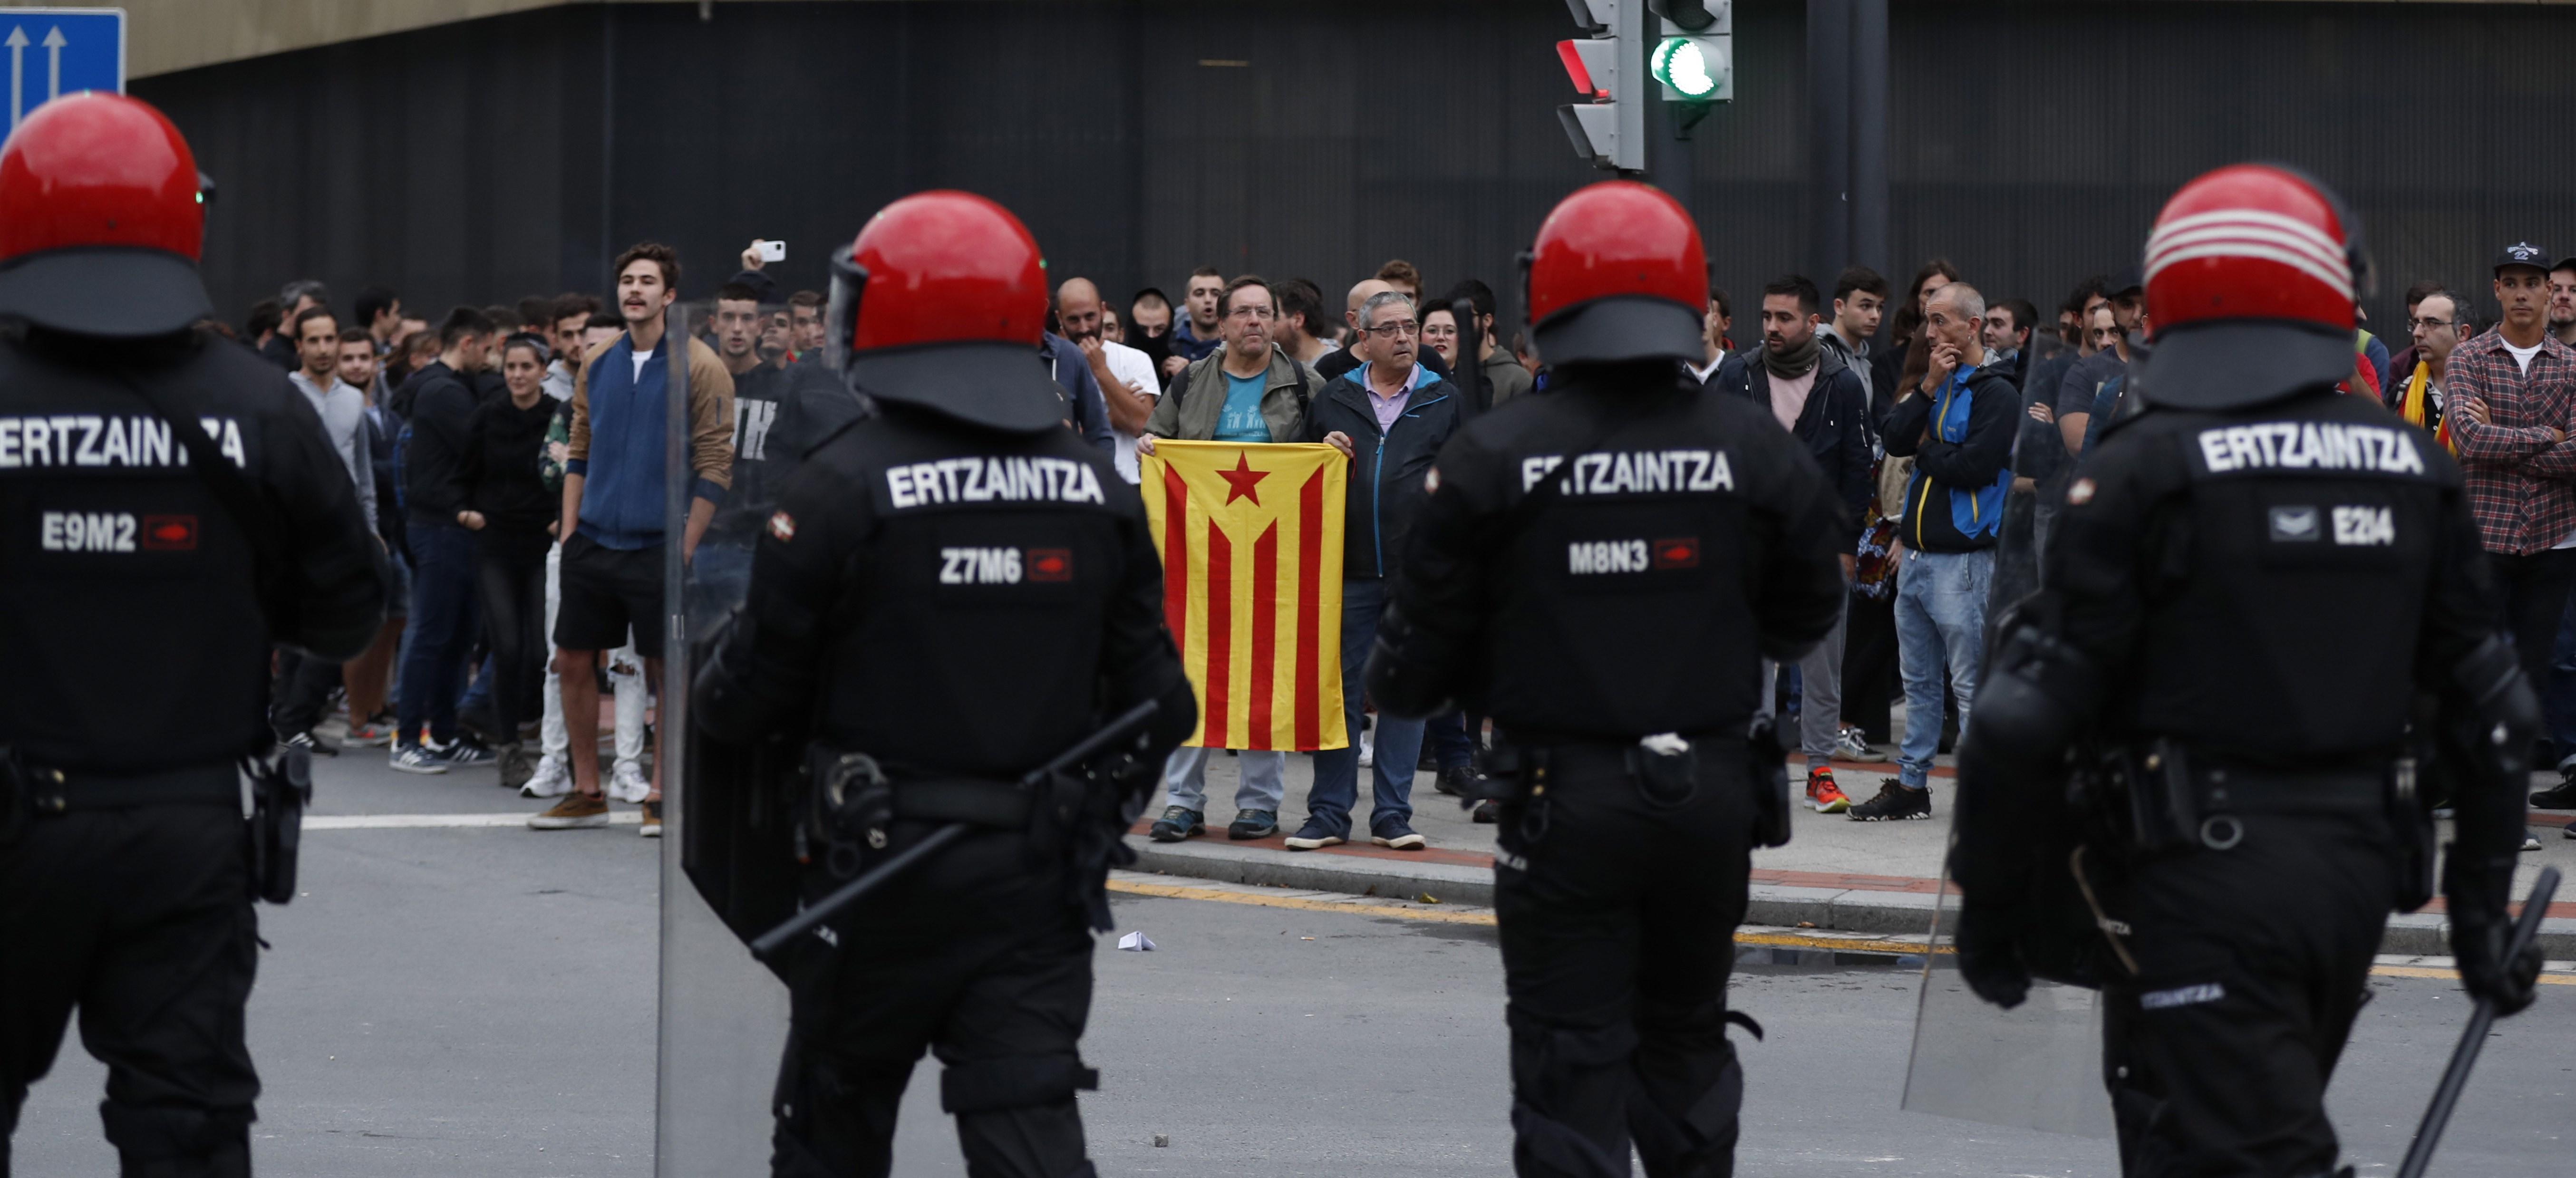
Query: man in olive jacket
point(1246, 391)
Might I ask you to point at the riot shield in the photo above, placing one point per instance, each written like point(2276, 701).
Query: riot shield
point(727, 866)
point(2036, 1066)
point(2040, 467)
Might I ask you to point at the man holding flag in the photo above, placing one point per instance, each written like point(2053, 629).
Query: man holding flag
point(1390, 417)
point(1245, 392)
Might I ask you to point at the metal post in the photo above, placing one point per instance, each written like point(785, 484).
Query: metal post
point(1869, 86)
point(1829, 145)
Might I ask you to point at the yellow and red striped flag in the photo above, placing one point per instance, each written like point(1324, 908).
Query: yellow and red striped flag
point(1252, 586)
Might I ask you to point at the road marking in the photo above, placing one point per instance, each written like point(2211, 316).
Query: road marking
point(1374, 906)
point(440, 821)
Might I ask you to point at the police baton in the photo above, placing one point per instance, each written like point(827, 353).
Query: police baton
point(2525, 928)
point(769, 943)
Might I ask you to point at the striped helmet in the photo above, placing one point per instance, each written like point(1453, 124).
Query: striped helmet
point(2251, 271)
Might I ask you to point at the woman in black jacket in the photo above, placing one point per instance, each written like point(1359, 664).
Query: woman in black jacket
point(513, 518)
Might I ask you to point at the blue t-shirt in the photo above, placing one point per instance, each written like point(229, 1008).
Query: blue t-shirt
point(1240, 420)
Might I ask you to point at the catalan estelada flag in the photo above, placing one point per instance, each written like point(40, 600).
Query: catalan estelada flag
point(1252, 586)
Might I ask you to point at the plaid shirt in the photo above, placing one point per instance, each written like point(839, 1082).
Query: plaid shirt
point(2522, 489)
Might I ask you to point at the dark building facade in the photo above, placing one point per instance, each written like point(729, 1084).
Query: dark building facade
point(2029, 142)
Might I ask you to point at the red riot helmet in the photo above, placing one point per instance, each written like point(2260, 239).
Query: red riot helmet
point(1617, 273)
point(101, 220)
point(941, 303)
point(2251, 271)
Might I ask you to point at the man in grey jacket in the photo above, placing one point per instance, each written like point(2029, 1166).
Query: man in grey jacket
point(1245, 391)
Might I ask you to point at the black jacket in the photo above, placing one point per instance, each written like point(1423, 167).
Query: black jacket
point(1387, 466)
point(1834, 425)
point(500, 472)
point(1686, 541)
point(136, 622)
point(1954, 502)
point(438, 405)
point(970, 633)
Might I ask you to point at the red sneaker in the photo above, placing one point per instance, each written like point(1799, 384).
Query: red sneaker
point(1823, 796)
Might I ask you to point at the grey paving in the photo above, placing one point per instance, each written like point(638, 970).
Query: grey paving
point(449, 1002)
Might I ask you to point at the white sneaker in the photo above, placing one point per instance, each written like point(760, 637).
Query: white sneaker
point(553, 779)
point(1368, 752)
point(628, 784)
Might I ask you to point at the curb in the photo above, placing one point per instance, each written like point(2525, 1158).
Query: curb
point(1849, 910)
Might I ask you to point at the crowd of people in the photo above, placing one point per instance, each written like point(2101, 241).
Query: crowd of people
point(519, 483)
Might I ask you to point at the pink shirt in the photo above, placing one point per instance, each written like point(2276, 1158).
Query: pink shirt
point(1389, 405)
point(1789, 395)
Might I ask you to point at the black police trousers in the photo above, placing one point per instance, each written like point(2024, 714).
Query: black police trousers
point(2253, 962)
point(978, 958)
point(141, 918)
point(1618, 913)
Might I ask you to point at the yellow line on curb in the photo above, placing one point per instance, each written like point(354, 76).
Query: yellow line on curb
point(1371, 906)
point(1362, 906)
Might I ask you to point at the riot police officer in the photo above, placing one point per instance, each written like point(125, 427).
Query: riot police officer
point(1602, 570)
point(957, 589)
point(2251, 583)
point(169, 508)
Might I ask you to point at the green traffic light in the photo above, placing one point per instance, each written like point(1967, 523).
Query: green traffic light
point(1681, 64)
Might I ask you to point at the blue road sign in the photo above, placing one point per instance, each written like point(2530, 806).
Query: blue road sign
point(59, 51)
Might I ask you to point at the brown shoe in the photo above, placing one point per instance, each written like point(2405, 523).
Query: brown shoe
point(574, 811)
point(652, 820)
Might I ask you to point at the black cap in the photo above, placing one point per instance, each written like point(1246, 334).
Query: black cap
point(117, 292)
point(2241, 363)
point(2125, 281)
point(997, 385)
point(2523, 253)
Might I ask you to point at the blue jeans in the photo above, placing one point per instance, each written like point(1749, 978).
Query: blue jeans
point(1447, 735)
point(1940, 622)
point(1399, 742)
point(438, 632)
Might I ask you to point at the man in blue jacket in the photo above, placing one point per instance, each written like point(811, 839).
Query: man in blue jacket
point(1390, 416)
point(1958, 425)
point(1812, 391)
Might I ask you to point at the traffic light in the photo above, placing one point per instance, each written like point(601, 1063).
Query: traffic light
point(1694, 59)
point(1607, 66)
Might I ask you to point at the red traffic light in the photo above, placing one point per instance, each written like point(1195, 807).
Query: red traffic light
point(1572, 54)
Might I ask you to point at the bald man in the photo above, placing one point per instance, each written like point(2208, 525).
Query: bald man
point(1125, 375)
point(1348, 358)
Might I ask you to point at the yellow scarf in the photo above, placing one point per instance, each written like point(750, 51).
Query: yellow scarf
point(2412, 406)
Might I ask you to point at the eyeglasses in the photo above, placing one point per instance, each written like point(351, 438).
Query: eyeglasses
point(2432, 324)
point(1392, 330)
point(1248, 312)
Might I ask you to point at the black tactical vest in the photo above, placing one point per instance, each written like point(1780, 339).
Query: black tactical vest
point(131, 637)
point(2284, 619)
point(1621, 604)
point(968, 634)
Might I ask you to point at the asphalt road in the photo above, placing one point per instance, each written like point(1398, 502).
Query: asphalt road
point(481, 1001)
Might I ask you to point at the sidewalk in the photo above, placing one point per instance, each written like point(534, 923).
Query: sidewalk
point(1837, 874)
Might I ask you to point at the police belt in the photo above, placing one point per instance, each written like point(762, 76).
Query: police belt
point(56, 791)
point(1568, 750)
point(974, 801)
point(2244, 789)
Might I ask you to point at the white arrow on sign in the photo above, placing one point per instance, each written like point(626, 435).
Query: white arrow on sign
point(17, 66)
point(54, 64)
